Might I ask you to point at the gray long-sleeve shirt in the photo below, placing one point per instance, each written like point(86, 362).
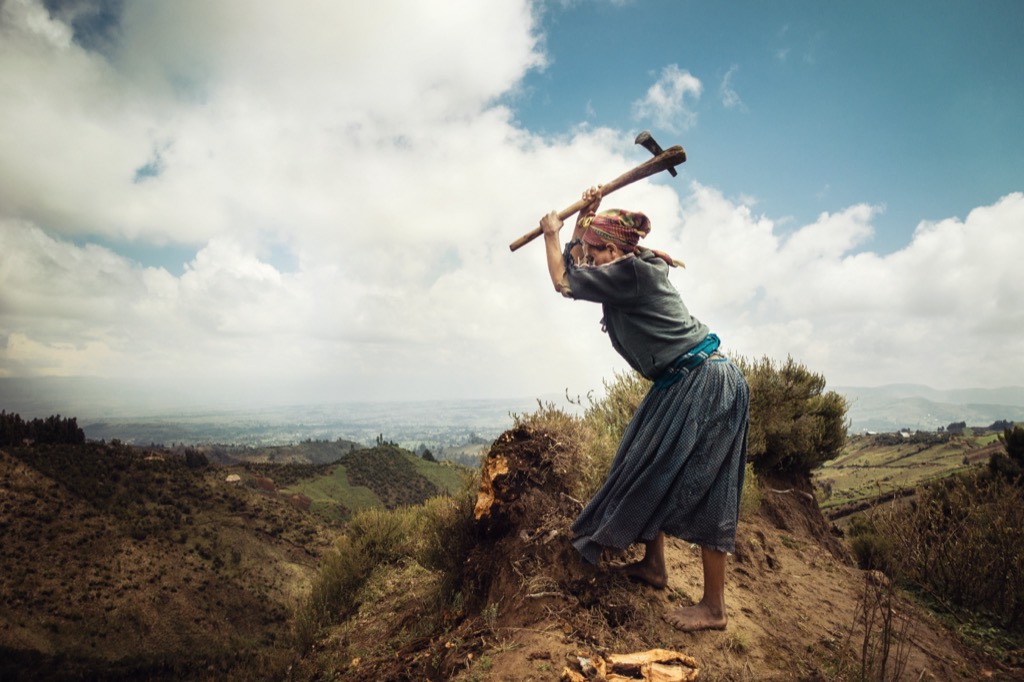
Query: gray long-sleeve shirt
point(645, 318)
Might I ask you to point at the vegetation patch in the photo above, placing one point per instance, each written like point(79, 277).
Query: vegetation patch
point(886, 466)
point(389, 472)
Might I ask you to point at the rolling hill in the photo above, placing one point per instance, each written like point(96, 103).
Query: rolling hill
point(128, 563)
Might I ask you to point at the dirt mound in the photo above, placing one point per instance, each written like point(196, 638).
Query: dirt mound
point(798, 604)
point(523, 513)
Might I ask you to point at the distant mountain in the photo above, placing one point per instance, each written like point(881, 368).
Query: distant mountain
point(897, 406)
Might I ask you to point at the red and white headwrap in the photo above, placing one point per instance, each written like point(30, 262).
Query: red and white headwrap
point(620, 227)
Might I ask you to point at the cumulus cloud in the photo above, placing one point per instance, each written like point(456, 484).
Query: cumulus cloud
point(939, 311)
point(667, 103)
point(366, 142)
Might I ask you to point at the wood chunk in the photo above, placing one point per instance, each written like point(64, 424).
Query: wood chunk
point(654, 665)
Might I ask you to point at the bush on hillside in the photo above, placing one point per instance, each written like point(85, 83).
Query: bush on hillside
point(436, 535)
point(795, 426)
point(1013, 440)
point(961, 541)
point(871, 546)
point(1009, 465)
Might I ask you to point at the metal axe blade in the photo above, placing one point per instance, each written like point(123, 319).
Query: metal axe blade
point(650, 144)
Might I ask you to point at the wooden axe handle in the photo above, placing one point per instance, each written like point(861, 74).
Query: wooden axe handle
point(671, 157)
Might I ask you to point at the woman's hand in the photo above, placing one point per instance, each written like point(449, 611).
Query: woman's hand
point(551, 224)
point(593, 198)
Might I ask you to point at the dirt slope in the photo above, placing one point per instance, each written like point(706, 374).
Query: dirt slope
point(532, 608)
point(797, 611)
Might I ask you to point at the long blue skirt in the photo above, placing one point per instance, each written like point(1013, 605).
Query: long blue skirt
point(679, 468)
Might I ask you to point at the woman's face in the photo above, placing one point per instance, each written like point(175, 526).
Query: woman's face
point(599, 255)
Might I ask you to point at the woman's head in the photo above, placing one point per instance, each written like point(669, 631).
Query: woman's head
point(613, 233)
point(615, 228)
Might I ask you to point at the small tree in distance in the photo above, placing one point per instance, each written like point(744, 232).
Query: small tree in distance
point(1009, 465)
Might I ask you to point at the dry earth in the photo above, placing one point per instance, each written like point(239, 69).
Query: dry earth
point(532, 609)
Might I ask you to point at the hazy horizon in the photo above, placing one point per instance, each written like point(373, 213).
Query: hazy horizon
point(136, 415)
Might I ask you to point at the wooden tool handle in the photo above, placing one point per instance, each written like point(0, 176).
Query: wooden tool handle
point(670, 158)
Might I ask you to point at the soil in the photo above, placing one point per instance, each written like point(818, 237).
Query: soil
point(533, 608)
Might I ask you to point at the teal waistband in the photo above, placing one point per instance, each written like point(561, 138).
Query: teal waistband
point(688, 361)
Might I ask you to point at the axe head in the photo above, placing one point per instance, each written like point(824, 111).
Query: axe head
point(650, 144)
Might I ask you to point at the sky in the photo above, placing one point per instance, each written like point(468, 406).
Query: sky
point(286, 203)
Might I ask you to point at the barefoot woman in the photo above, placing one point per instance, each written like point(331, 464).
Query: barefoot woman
point(679, 467)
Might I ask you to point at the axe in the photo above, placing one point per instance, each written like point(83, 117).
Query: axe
point(666, 159)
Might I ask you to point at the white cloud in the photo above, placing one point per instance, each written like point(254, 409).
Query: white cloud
point(667, 104)
point(943, 311)
point(365, 142)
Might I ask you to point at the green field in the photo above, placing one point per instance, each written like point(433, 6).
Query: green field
point(449, 478)
point(336, 493)
point(333, 497)
point(872, 466)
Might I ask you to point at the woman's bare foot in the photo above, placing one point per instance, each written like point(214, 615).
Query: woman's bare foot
point(651, 569)
point(696, 618)
point(646, 571)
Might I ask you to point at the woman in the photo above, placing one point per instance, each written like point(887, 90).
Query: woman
point(679, 468)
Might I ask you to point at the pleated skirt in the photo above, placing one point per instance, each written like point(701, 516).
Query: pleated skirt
point(679, 468)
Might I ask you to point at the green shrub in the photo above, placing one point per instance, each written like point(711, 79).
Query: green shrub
point(962, 542)
point(622, 397)
point(1013, 442)
point(446, 533)
point(1000, 465)
point(437, 535)
point(870, 547)
point(1009, 464)
point(794, 426)
point(373, 537)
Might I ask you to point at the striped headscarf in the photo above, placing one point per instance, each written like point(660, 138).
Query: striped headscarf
point(620, 227)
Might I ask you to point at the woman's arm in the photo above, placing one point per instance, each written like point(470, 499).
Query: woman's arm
point(551, 224)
